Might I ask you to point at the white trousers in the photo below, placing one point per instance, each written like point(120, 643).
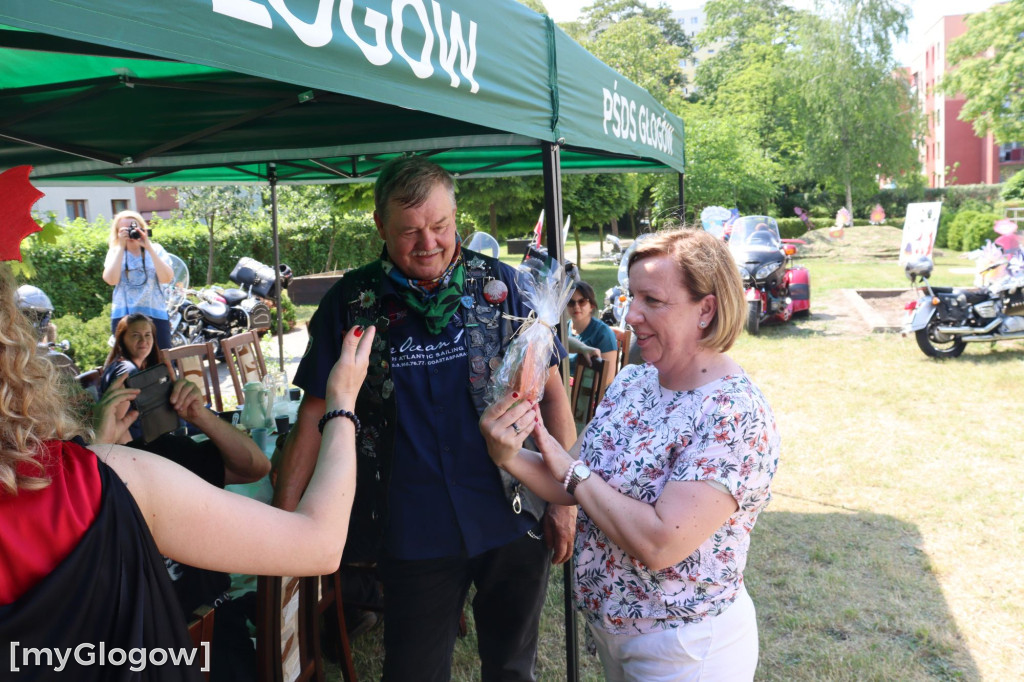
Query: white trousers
point(721, 648)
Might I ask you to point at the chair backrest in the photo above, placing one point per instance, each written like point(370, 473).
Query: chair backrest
point(244, 358)
point(198, 364)
point(623, 338)
point(587, 388)
point(287, 630)
point(200, 630)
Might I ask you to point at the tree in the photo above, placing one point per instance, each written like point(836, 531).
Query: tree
point(513, 202)
point(595, 200)
point(723, 166)
point(988, 70)
point(536, 5)
point(637, 49)
point(213, 205)
point(602, 14)
point(746, 81)
point(860, 118)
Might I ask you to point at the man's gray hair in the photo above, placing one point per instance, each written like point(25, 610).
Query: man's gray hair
point(409, 180)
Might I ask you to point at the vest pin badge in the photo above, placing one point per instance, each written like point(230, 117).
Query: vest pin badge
point(467, 301)
point(494, 363)
point(495, 291)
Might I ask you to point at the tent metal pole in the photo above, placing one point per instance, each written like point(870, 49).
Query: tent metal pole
point(682, 198)
point(552, 170)
point(272, 175)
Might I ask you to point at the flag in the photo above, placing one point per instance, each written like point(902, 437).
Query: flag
point(539, 227)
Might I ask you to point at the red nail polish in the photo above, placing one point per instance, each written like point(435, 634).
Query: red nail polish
point(358, 332)
point(515, 395)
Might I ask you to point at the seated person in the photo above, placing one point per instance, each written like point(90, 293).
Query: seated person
point(134, 349)
point(589, 330)
point(228, 457)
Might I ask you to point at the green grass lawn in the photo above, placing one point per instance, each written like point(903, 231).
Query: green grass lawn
point(892, 548)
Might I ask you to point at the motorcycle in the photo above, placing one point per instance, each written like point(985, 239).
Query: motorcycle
point(775, 289)
point(213, 314)
point(945, 319)
point(36, 306)
point(616, 298)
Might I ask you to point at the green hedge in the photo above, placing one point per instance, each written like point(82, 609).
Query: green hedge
point(969, 229)
point(70, 270)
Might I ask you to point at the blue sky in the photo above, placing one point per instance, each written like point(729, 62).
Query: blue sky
point(925, 13)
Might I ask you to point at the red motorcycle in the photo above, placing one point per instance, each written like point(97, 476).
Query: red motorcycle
point(775, 288)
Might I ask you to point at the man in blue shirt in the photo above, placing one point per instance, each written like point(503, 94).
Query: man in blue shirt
point(430, 506)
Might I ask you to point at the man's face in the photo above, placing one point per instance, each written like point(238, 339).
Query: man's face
point(420, 239)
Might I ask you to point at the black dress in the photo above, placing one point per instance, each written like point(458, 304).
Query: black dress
point(109, 596)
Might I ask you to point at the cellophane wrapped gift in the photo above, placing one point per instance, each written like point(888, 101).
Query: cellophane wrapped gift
point(546, 288)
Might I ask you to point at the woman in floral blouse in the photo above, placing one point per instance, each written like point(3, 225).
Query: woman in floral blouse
point(670, 476)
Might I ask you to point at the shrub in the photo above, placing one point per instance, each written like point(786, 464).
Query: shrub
point(1013, 189)
point(71, 268)
point(969, 230)
point(88, 338)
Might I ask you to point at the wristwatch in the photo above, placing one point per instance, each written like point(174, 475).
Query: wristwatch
point(577, 474)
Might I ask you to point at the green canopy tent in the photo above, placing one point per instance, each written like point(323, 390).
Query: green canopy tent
point(310, 91)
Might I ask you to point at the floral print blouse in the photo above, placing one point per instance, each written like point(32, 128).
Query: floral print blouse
point(644, 436)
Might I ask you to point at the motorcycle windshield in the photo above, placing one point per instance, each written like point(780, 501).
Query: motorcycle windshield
point(753, 233)
point(174, 291)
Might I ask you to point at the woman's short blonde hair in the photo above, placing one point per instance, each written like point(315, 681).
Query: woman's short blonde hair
point(35, 401)
point(705, 267)
point(143, 225)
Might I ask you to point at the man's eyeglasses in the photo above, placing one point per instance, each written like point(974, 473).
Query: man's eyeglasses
point(575, 302)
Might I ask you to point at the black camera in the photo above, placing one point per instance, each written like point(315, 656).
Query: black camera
point(134, 232)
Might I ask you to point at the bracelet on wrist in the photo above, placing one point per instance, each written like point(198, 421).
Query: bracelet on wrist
point(568, 473)
point(339, 413)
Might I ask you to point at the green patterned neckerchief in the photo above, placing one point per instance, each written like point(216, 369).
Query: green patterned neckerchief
point(435, 300)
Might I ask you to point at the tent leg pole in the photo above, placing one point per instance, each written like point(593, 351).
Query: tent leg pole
point(272, 174)
point(556, 249)
point(682, 199)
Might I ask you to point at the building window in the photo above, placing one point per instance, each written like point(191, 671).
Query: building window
point(75, 208)
point(711, 51)
point(694, 20)
point(118, 205)
point(696, 61)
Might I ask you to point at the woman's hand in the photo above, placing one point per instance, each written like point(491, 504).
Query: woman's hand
point(349, 371)
point(506, 424)
point(112, 415)
point(555, 456)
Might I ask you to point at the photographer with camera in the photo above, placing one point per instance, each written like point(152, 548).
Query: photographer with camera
point(136, 277)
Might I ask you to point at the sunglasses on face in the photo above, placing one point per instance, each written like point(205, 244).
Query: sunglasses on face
point(574, 302)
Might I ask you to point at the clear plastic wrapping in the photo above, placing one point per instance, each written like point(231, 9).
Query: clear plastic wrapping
point(546, 288)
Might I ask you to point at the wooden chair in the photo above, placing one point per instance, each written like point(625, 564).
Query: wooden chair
point(198, 364)
point(624, 337)
point(287, 630)
point(200, 629)
point(587, 390)
point(244, 358)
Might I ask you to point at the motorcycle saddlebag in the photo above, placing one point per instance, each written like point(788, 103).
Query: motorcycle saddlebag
point(258, 313)
point(799, 280)
point(251, 272)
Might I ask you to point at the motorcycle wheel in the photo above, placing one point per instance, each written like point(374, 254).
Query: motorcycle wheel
point(936, 345)
point(753, 317)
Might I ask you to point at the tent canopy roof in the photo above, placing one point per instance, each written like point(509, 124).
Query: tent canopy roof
point(100, 91)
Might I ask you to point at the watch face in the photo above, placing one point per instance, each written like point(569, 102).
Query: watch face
point(581, 471)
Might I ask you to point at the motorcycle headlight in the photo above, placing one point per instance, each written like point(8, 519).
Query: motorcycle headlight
point(767, 269)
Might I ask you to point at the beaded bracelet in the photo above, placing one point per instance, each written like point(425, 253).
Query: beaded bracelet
point(568, 474)
point(339, 413)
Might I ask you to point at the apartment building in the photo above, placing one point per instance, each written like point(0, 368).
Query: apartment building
point(952, 154)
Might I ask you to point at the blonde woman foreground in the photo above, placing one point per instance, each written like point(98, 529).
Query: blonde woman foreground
point(82, 529)
point(670, 476)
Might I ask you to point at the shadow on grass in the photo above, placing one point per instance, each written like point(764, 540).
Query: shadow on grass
point(846, 595)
